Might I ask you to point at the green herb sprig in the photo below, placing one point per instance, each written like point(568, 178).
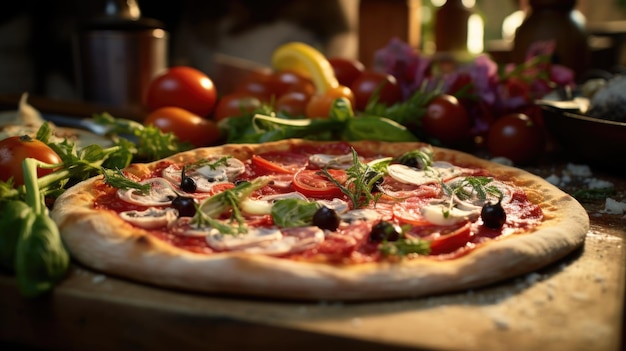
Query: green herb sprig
point(361, 180)
point(478, 186)
point(213, 207)
point(117, 179)
point(404, 247)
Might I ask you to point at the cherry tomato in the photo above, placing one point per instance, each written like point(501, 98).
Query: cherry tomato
point(183, 87)
point(282, 162)
point(263, 87)
point(186, 125)
point(13, 150)
point(446, 120)
point(313, 183)
point(289, 81)
point(319, 105)
point(346, 70)
point(235, 105)
point(516, 137)
point(292, 104)
point(385, 85)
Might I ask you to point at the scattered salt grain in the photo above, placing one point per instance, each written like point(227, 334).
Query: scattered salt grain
point(554, 179)
point(502, 160)
point(97, 279)
point(578, 170)
point(612, 206)
point(595, 183)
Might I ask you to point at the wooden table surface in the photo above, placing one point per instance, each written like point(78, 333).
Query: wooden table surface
point(574, 304)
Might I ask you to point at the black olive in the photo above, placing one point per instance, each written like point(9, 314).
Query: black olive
point(185, 205)
point(493, 215)
point(371, 174)
point(188, 184)
point(413, 159)
point(382, 231)
point(326, 218)
point(413, 162)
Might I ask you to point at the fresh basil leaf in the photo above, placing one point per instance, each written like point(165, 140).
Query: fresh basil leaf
point(404, 247)
point(41, 260)
point(13, 215)
point(376, 128)
point(293, 212)
point(275, 128)
point(341, 110)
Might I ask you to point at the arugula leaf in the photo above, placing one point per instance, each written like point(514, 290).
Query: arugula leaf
point(293, 212)
point(151, 143)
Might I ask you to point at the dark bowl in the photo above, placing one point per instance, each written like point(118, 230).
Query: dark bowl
point(595, 141)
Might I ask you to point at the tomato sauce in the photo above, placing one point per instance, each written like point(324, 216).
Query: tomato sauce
point(350, 243)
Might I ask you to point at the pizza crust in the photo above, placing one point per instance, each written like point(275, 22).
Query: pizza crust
point(102, 241)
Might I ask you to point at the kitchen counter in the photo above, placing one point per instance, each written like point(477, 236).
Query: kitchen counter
point(574, 304)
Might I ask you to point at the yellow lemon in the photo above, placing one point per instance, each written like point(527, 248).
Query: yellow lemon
point(307, 61)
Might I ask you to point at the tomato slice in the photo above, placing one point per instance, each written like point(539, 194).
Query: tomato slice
point(409, 211)
point(279, 162)
point(449, 242)
point(314, 183)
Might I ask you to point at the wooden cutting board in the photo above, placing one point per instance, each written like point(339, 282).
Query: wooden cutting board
point(575, 304)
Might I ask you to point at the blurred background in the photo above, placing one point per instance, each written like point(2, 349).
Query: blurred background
point(37, 51)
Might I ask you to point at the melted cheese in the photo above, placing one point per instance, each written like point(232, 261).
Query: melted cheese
point(332, 161)
point(440, 214)
point(252, 238)
point(263, 205)
point(150, 218)
point(206, 177)
point(436, 173)
point(161, 193)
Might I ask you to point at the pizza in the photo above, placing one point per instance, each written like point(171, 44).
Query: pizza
point(319, 220)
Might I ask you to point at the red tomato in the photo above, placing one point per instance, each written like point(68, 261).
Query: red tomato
point(449, 242)
point(235, 105)
point(314, 183)
point(183, 87)
point(292, 104)
point(446, 120)
point(409, 211)
point(346, 70)
point(280, 161)
point(385, 85)
point(262, 87)
point(185, 125)
point(13, 150)
point(319, 105)
point(289, 81)
point(516, 137)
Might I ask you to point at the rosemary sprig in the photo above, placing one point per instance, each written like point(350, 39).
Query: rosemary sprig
point(117, 179)
point(214, 206)
point(478, 186)
point(222, 161)
point(362, 178)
